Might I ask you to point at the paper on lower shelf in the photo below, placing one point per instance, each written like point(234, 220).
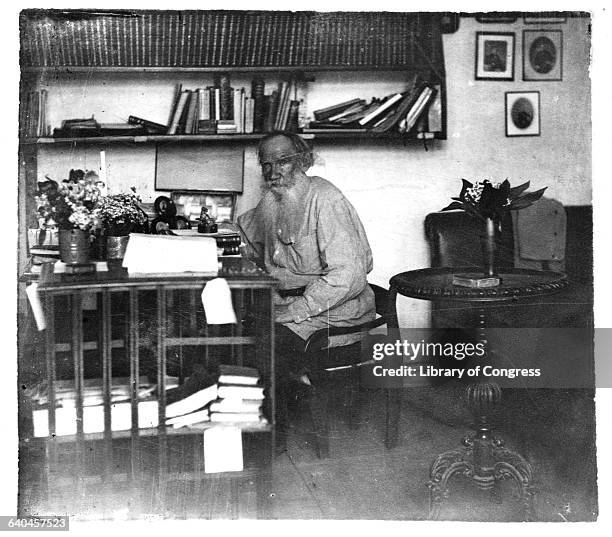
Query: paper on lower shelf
point(223, 450)
point(93, 418)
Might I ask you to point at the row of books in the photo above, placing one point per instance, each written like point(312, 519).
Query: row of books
point(33, 115)
point(417, 108)
point(222, 38)
point(236, 398)
point(222, 109)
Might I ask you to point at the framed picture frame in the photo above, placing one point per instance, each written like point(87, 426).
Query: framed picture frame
point(522, 113)
point(494, 56)
point(545, 18)
point(542, 55)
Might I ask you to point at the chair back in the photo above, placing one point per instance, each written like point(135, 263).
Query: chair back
point(454, 240)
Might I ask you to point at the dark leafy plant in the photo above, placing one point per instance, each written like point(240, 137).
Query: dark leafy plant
point(485, 200)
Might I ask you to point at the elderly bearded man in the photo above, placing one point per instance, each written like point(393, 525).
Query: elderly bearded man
point(306, 234)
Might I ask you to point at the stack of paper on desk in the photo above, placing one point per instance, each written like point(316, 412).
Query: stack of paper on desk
point(169, 254)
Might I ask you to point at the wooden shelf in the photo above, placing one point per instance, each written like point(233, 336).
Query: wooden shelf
point(148, 139)
point(249, 69)
point(154, 431)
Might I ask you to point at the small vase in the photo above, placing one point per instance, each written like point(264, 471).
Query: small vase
point(489, 248)
point(74, 246)
point(116, 246)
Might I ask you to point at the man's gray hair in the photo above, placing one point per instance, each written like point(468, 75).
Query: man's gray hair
point(304, 154)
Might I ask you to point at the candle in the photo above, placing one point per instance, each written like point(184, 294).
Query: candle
point(103, 168)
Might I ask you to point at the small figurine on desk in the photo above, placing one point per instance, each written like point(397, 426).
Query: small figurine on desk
point(206, 224)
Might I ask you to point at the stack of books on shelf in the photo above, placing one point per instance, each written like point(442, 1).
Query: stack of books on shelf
point(415, 110)
point(33, 115)
point(236, 397)
point(222, 109)
point(192, 409)
point(239, 396)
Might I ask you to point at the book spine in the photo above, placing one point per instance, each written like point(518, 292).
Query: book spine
point(240, 59)
point(256, 23)
point(257, 93)
point(178, 113)
point(265, 49)
point(196, 41)
point(247, 46)
point(162, 49)
point(230, 42)
point(217, 104)
point(99, 40)
point(222, 48)
point(182, 41)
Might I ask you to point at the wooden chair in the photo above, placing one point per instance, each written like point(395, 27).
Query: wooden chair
point(330, 364)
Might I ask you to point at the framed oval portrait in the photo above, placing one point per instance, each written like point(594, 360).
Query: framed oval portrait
point(542, 55)
point(522, 113)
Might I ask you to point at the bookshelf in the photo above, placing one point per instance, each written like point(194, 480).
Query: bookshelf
point(58, 43)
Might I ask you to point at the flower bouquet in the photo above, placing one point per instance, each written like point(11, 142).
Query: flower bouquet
point(71, 207)
point(120, 215)
point(489, 202)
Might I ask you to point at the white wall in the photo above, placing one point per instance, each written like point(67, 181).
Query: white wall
point(392, 186)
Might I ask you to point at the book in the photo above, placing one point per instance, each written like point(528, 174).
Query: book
point(178, 91)
point(235, 417)
point(191, 112)
point(232, 405)
point(272, 111)
point(198, 416)
point(150, 126)
point(477, 281)
point(418, 108)
point(404, 108)
point(388, 103)
point(203, 105)
point(193, 402)
point(292, 124)
point(357, 107)
point(257, 93)
point(325, 113)
point(234, 374)
point(178, 112)
point(241, 392)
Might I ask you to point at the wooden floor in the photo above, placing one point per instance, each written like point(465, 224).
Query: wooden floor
point(363, 480)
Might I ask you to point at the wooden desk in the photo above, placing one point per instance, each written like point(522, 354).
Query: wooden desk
point(252, 292)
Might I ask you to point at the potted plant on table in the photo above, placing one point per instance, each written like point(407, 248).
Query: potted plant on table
point(488, 203)
point(120, 215)
point(70, 207)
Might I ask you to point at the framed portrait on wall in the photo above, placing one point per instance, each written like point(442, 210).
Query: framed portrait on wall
point(522, 113)
point(494, 56)
point(542, 55)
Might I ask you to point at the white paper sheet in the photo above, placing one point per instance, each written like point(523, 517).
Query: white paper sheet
point(217, 302)
point(150, 254)
point(223, 450)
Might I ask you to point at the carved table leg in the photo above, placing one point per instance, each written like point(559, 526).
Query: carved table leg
point(483, 459)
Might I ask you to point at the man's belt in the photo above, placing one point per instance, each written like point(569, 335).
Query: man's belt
point(298, 291)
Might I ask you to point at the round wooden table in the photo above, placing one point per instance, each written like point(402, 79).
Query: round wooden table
point(483, 458)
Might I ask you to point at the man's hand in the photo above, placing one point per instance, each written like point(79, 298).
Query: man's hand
point(282, 309)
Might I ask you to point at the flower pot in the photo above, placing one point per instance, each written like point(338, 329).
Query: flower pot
point(116, 246)
point(489, 248)
point(74, 246)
